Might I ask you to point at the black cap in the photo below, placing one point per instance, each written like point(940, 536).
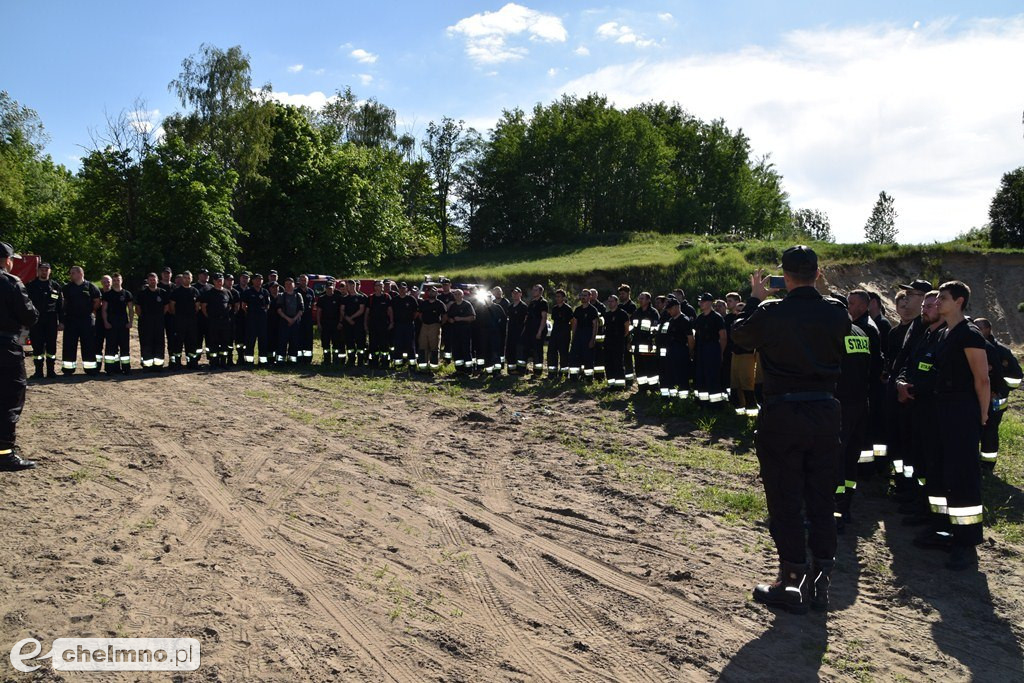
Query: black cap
point(257, 275)
point(167, 269)
point(229, 276)
point(403, 284)
point(273, 283)
point(706, 296)
point(272, 272)
point(919, 285)
point(6, 250)
point(671, 302)
point(44, 264)
point(245, 273)
point(841, 299)
point(800, 259)
point(516, 289)
point(204, 271)
point(218, 276)
point(445, 281)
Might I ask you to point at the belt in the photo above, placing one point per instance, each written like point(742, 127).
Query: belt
point(799, 396)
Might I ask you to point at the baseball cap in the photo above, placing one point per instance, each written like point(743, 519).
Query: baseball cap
point(7, 251)
point(445, 281)
point(671, 302)
point(706, 296)
point(919, 285)
point(218, 276)
point(204, 271)
point(799, 259)
point(44, 264)
point(167, 269)
point(272, 272)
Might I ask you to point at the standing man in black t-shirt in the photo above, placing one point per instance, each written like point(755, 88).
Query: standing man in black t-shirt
point(403, 316)
point(859, 300)
point(235, 343)
point(515, 355)
point(502, 300)
point(535, 330)
point(378, 322)
point(150, 305)
point(167, 284)
point(202, 286)
point(431, 313)
point(331, 338)
point(962, 400)
point(561, 335)
point(645, 350)
point(117, 313)
point(219, 312)
point(629, 306)
point(184, 302)
point(709, 332)
point(584, 337)
point(46, 296)
point(256, 302)
point(81, 301)
point(353, 310)
point(460, 316)
point(616, 332)
point(306, 324)
point(490, 317)
point(101, 332)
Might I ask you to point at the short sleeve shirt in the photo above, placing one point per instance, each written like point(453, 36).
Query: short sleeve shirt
point(954, 372)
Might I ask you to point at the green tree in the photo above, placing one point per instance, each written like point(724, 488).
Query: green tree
point(446, 145)
point(813, 224)
point(881, 225)
point(1006, 212)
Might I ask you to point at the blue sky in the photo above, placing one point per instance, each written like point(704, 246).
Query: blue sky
point(917, 98)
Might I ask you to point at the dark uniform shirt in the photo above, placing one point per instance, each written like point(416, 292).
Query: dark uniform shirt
point(954, 370)
point(463, 310)
point(585, 315)
point(855, 378)
point(800, 340)
point(707, 327)
point(117, 305)
point(629, 306)
point(377, 310)
point(920, 367)
point(615, 323)
point(1003, 365)
point(867, 324)
point(679, 328)
point(533, 313)
point(561, 319)
point(330, 308)
point(46, 297)
point(431, 311)
point(257, 301)
point(404, 309)
point(79, 300)
point(517, 314)
point(645, 327)
point(218, 304)
point(17, 314)
point(184, 299)
point(351, 304)
point(151, 302)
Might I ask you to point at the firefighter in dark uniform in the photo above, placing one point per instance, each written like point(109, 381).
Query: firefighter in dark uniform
point(185, 304)
point(535, 330)
point(645, 351)
point(584, 337)
point(241, 335)
point(858, 307)
point(101, 332)
point(629, 306)
point(852, 390)
point(446, 297)
point(117, 313)
point(219, 313)
point(256, 302)
point(661, 340)
point(492, 321)
point(17, 316)
point(306, 323)
point(1004, 375)
point(274, 321)
point(962, 396)
point(150, 305)
point(915, 387)
point(902, 341)
point(329, 304)
point(431, 313)
point(561, 335)
point(599, 359)
point(679, 344)
point(709, 332)
point(403, 313)
point(234, 341)
point(616, 333)
point(353, 310)
point(81, 301)
point(203, 286)
point(801, 342)
point(167, 284)
point(47, 298)
point(378, 324)
point(460, 316)
point(502, 300)
point(515, 355)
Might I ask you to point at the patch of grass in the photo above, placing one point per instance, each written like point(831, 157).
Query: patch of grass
point(80, 475)
point(299, 415)
point(258, 393)
point(1003, 491)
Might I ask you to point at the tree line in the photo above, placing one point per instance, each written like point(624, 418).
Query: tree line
point(238, 180)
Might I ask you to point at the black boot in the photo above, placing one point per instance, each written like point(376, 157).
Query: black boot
point(787, 591)
point(38, 374)
point(10, 461)
point(821, 578)
point(51, 368)
point(962, 557)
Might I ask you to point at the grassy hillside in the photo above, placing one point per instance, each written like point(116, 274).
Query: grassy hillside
point(654, 261)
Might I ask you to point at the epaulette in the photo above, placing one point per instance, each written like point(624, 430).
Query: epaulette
point(834, 301)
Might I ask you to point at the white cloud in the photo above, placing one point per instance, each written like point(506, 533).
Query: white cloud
point(313, 100)
point(582, 51)
point(365, 79)
point(665, 16)
point(622, 34)
point(487, 33)
point(924, 114)
point(319, 72)
point(295, 68)
point(552, 72)
point(362, 56)
point(145, 121)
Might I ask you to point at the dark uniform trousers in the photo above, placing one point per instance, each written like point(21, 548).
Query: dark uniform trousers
point(288, 339)
point(709, 369)
point(256, 335)
point(990, 432)
point(355, 340)
point(515, 354)
point(44, 339)
point(581, 355)
point(79, 331)
point(558, 352)
point(118, 339)
point(101, 338)
point(332, 340)
point(959, 460)
point(461, 340)
point(615, 369)
point(174, 343)
point(12, 389)
point(188, 335)
point(151, 340)
point(798, 449)
point(219, 334)
point(854, 439)
point(405, 342)
point(677, 369)
point(306, 337)
point(532, 349)
point(380, 344)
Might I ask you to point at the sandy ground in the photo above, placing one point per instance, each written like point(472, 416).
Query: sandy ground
point(308, 527)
